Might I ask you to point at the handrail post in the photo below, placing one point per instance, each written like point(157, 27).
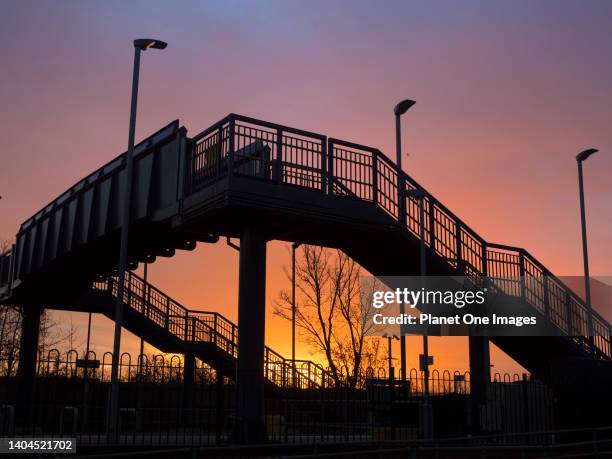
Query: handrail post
point(375, 177)
point(324, 183)
point(167, 318)
point(546, 295)
point(402, 216)
point(523, 284)
point(230, 147)
point(219, 151)
point(186, 331)
point(568, 306)
point(278, 165)
point(432, 224)
point(458, 243)
point(148, 299)
point(214, 337)
point(330, 167)
point(129, 289)
point(233, 339)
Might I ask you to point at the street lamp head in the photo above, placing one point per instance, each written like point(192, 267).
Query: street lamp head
point(585, 154)
point(403, 107)
point(149, 43)
point(387, 335)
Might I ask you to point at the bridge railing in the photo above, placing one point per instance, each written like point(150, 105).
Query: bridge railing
point(239, 145)
point(210, 327)
point(257, 149)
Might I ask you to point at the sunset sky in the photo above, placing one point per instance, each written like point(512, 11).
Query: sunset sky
point(507, 93)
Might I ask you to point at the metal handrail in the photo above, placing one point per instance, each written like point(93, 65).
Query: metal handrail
point(187, 326)
point(452, 236)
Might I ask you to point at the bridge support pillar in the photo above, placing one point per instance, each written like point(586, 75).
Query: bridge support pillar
point(251, 329)
point(480, 378)
point(28, 351)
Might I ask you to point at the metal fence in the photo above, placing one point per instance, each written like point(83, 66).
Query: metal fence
point(158, 408)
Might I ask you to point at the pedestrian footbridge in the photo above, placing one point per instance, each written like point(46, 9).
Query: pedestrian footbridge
point(260, 181)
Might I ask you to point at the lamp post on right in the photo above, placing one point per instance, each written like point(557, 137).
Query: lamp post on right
point(426, 418)
point(580, 158)
point(294, 247)
point(401, 108)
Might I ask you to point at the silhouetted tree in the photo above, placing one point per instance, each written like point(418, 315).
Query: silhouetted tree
point(333, 313)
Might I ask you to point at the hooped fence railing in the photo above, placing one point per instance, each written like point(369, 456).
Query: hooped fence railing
point(247, 147)
point(208, 327)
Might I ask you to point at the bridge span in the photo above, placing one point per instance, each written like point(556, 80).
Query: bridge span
point(260, 181)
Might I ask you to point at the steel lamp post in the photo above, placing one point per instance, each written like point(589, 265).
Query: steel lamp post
point(139, 45)
point(294, 247)
point(401, 108)
point(580, 158)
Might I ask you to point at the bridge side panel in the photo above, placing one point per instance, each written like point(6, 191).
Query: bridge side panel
point(90, 210)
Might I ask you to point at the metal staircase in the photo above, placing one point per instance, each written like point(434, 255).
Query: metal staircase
point(208, 335)
point(239, 147)
point(296, 186)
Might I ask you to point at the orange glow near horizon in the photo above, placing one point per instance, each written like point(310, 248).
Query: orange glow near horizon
point(507, 94)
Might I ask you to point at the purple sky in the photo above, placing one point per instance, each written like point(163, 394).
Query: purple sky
point(507, 93)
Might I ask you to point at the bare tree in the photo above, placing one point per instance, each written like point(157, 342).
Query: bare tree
point(332, 313)
point(10, 334)
point(10, 327)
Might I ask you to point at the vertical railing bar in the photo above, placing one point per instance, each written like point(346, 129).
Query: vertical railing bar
point(279, 157)
point(458, 243)
point(432, 224)
point(546, 298)
point(374, 177)
point(323, 165)
point(167, 318)
point(568, 305)
point(219, 151)
point(523, 285)
point(214, 337)
point(330, 167)
point(484, 261)
point(230, 147)
point(186, 331)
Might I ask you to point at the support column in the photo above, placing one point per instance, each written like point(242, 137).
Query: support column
point(480, 378)
point(28, 351)
point(251, 329)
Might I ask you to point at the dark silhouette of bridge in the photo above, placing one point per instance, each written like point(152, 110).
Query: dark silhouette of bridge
point(259, 181)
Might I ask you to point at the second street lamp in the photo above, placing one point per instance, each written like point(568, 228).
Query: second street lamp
point(401, 108)
point(580, 158)
point(139, 45)
point(294, 247)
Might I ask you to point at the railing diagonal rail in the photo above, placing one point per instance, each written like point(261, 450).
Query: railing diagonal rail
point(207, 327)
